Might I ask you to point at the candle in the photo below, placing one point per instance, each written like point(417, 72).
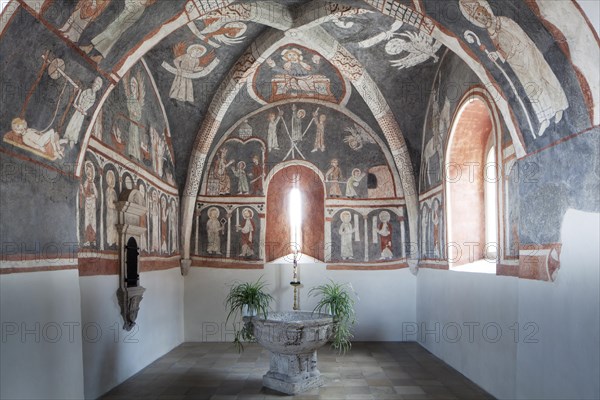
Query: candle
point(237, 216)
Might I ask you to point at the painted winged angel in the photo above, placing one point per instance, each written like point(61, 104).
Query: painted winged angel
point(357, 137)
point(190, 62)
point(418, 46)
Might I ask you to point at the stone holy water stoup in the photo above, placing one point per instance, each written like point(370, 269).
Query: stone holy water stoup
point(293, 338)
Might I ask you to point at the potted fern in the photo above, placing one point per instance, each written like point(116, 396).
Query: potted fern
point(337, 299)
point(246, 299)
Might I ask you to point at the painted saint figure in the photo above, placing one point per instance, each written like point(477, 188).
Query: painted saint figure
point(384, 230)
point(272, 142)
point(111, 209)
point(334, 176)
point(240, 173)
point(191, 63)
point(220, 177)
point(516, 48)
point(247, 230)
point(435, 217)
point(214, 230)
point(104, 42)
point(135, 93)
point(86, 11)
point(320, 134)
point(346, 231)
point(297, 117)
point(353, 182)
point(143, 220)
point(257, 176)
point(173, 226)
point(164, 215)
point(88, 198)
point(155, 221)
point(83, 102)
point(157, 150)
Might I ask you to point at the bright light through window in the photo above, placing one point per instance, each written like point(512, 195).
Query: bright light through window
point(295, 213)
point(491, 209)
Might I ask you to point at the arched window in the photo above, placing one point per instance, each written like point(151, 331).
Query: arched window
point(471, 189)
point(295, 213)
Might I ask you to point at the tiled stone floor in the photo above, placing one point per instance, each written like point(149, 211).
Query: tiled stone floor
point(371, 370)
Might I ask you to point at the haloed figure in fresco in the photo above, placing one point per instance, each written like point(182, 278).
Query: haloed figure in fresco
point(353, 182)
point(111, 209)
point(346, 231)
point(334, 175)
point(384, 230)
point(240, 173)
point(135, 93)
point(247, 230)
point(274, 119)
point(257, 176)
point(46, 144)
point(516, 48)
point(214, 229)
point(88, 199)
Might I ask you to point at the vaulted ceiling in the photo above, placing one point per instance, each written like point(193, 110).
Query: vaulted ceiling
point(386, 54)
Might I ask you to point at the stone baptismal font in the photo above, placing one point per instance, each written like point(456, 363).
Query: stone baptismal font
point(293, 338)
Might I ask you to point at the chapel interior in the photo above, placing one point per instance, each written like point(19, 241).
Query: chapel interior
point(439, 158)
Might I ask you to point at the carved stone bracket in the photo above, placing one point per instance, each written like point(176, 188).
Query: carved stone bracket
point(132, 210)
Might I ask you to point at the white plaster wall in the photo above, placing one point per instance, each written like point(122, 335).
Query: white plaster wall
point(556, 356)
point(565, 364)
point(111, 354)
point(387, 298)
point(465, 319)
point(40, 346)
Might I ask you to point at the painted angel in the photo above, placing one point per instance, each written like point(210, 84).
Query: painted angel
point(135, 93)
point(190, 62)
point(357, 137)
point(419, 46)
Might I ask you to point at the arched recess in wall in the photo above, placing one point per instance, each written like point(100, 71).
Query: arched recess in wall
point(311, 212)
point(471, 177)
